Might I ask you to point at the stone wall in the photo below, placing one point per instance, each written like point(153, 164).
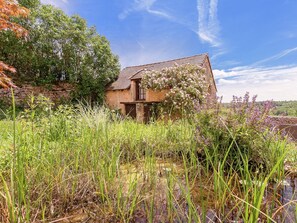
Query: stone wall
point(286, 124)
point(284, 120)
point(290, 130)
point(114, 98)
point(153, 96)
point(212, 91)
point(57, 93)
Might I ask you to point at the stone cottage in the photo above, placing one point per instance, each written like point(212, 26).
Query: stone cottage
point(127, 95)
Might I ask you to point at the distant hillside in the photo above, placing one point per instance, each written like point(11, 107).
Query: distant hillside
point(281, 108)
point(285, 108)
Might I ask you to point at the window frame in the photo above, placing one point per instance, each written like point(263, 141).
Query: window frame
point(140, 92)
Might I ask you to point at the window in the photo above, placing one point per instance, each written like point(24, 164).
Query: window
point(140, 92)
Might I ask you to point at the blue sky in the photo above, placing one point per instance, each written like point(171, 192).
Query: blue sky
point(252, 44)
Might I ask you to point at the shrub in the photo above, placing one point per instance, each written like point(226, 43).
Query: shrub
point(37, 107)
point(243, 134)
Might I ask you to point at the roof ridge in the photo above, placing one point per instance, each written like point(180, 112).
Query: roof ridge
point(137, 72)
point(206, 54)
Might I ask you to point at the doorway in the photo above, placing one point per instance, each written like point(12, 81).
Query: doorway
point(130, 110)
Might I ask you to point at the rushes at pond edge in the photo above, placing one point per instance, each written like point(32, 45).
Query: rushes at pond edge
point(88, 162)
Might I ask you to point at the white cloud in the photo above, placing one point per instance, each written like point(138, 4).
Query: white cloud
point(277, 56)
point(208, 24)
point(62, 4)
point(143, 5)
point(275, 82)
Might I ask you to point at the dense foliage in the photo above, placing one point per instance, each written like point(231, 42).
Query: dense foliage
point(186, 84)
point(285, 108)
point(60, 48)
point(243, 133)
point(8, 10)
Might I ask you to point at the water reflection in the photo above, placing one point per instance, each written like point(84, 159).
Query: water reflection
point(288, 200)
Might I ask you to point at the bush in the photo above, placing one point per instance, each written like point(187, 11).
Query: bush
point(242, 135)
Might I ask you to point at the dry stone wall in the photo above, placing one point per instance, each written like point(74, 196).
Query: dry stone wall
point(284, 120)
point(286, 124)
point(57, 93)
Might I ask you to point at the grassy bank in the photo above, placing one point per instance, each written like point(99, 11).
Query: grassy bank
point(90, 165)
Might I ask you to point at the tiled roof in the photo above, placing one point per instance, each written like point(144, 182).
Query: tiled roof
point(136, 72)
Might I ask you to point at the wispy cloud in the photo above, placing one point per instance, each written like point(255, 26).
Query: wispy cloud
point(208, 24)
point(275, 82)
point(269, 82)
point(277, 56)
point(143, 5)
point(62, 4)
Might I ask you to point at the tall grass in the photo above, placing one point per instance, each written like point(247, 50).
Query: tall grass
point(86, 163)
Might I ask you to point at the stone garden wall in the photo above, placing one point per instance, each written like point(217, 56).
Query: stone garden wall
point(281, 120)
point(287, 124)
point(57, 93)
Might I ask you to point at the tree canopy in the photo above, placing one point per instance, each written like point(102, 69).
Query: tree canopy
point(8, 10)
point(61, 48)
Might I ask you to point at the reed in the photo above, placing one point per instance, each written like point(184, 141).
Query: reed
point(86, 163)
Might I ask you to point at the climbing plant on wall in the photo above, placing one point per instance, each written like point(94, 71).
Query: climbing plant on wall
point(187, 87)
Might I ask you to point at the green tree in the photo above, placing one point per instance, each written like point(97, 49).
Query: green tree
point(61, 48)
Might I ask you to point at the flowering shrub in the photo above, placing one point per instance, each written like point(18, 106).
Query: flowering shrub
point(243, 133)
point(186, 84)
point(253, 115)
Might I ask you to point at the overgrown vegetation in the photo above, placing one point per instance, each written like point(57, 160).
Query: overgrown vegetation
point(244, 133)
point(60, 48)
point(87, 164)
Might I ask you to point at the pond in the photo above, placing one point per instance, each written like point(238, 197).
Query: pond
point(159, 191)
point(288, 199)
